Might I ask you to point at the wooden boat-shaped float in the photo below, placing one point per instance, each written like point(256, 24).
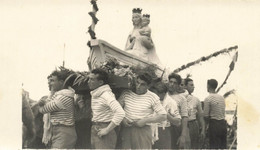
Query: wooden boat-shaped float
point(101, 51)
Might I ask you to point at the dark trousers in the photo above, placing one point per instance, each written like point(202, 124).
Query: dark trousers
point(164, 141)
point(136, 137)
point(83, 129)
point(194, 133)
point(118, 130)
point(217, 134)
point(36, 144)
point(105, 142)
point(175, 134)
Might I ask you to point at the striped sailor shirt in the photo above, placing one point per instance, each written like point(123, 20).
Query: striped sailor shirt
point(105, 107)
point(214, 106)
point(140, 106)
point(61, 108)
point(182, 104)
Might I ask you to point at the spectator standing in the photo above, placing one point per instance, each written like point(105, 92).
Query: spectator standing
point(196, 119)
point(180, 135)
point(214, 113)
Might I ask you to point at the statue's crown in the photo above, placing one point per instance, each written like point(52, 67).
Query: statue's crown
point(146, 15)
point(137, 10)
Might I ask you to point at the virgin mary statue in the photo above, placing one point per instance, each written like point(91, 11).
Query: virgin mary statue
point(139, 44)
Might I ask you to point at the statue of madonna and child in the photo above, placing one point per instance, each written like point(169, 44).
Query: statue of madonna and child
point(139, 41)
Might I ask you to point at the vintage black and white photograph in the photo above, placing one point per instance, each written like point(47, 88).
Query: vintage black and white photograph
point(133, 74)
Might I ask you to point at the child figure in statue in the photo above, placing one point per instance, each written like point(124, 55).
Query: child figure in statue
point(139, 41)
point(145, 31)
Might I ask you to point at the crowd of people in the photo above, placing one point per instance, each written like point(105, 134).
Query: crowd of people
point(149, 115)
point(152, 115)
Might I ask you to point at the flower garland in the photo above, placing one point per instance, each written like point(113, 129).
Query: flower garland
point(202, 59)
point(229, 93)
point(117, 74)
point(231, 68)
point(113, 67)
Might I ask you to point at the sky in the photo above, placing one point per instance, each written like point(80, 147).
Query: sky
point(34, 33)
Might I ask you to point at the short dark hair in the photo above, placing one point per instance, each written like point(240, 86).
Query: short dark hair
point(49, 76)
point(187, 80)
point(213, 83)
point(145, 77)
point(102, 74)
point(159, 87)
point(61, 75)
point(175, 76)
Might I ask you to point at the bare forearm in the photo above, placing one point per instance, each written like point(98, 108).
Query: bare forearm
point(174, 121)
point(202, 123)
point(156, 119)
point(111, 126)
point(184, 124)
point(201, 118)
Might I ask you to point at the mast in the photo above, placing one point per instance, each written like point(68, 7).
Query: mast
point(63, 62)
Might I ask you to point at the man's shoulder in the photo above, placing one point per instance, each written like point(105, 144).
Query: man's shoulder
point(65, 92)
point(107, 95)
point(127, 91)
point(215, 96)
point(181, 97)
point(208, 98)
point(170, 101)
point(178, 98)
point(195, 98)
point(152, 94)
point(177, 95)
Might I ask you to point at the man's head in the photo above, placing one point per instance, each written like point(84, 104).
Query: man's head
point(49, 82)
point(57, 79)
point(189, 85)
point(181, 87)
point(212, 84)
point(174, 82)
point(160, 89)
point(137, 17)
point(97, 78)
point(142, 83)
point(145, 20)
